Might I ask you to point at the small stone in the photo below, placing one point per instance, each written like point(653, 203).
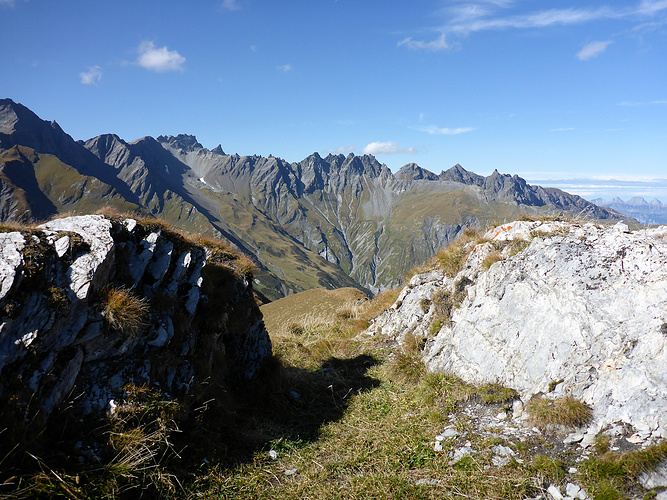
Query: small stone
point(449, 433)
point(588, 440)
point(501, 416)
point(439, 437)
point(575, 437)
point(504, 451)
point(572, 470)
point(572, 490)
point(634, 439)
point(273, 454)
point(517, 408)
point(62, 245)
point(555, 493)
point(290, 472)
point(460, 453)
point(500, 461)
point(437, 446)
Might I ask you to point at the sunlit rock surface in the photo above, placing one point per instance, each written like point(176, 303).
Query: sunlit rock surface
point(582, 311)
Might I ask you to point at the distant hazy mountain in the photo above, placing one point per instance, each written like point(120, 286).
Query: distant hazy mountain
point(653, 212)
point(333, 222)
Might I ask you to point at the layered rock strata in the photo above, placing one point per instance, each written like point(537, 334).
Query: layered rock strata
point(194, 319)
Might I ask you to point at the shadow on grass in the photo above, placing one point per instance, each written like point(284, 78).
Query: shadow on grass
point(219, 426)
point(285, 406)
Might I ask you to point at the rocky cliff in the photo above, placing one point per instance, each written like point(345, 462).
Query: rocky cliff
point(89, 304)
point(580, 311)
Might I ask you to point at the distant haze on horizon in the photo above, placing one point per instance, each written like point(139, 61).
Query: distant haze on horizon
point(565, 94)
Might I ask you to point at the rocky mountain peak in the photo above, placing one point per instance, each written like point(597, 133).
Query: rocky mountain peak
point(218, 150)
point(459, 174)
point(413, 172)
point(184, 142)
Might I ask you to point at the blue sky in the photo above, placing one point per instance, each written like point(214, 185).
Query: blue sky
point(563, 93)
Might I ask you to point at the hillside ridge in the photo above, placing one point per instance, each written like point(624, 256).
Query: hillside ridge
point(341, 220)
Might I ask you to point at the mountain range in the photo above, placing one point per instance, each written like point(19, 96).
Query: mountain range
point(321, 222)
point(653, 212)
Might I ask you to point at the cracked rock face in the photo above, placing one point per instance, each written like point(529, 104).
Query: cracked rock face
point(56, 338)
point(582, 311)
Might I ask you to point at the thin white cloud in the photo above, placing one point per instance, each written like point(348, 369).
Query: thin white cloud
point(159, 59)
point(433, 130)
point(638, 103)
point(7, 3)
point(593, 49)
point(285, 68)
point(650, 7)
point(231, 5)
point(465, 17)
point(603, 186)
point(92, 76)
point(566, 129)
point(386, 148)
point(435, 45)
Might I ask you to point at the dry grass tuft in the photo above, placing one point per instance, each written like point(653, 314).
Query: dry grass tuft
point(406, 363)
point(113, 213)
point(124, 311)
point(139, 437)
point(491, 259)
point(565, 411)
point(13, 226)
point(380, 303)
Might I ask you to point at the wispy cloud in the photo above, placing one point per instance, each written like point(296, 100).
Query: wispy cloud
point(7, 3)
point(159, 59)
point(92, 76)
point(285, 68)
point(543, 19)
point(608, 186)
point(650, 7)
point(593, 49)
point(433, 130)
point(386, 148)
point(434, 45)
point(565, 129)
point(465, 17)
point(231, 5)
point(644, 103)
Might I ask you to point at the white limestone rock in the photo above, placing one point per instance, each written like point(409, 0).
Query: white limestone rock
point(90, 269)
point(585, 304)
point(410, 313)
point(11, 245)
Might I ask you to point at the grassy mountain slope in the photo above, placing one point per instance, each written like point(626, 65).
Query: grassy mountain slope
point(39, 186)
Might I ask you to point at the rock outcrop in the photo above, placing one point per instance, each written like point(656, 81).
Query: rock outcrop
point(183, 313)
point(582, 312)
